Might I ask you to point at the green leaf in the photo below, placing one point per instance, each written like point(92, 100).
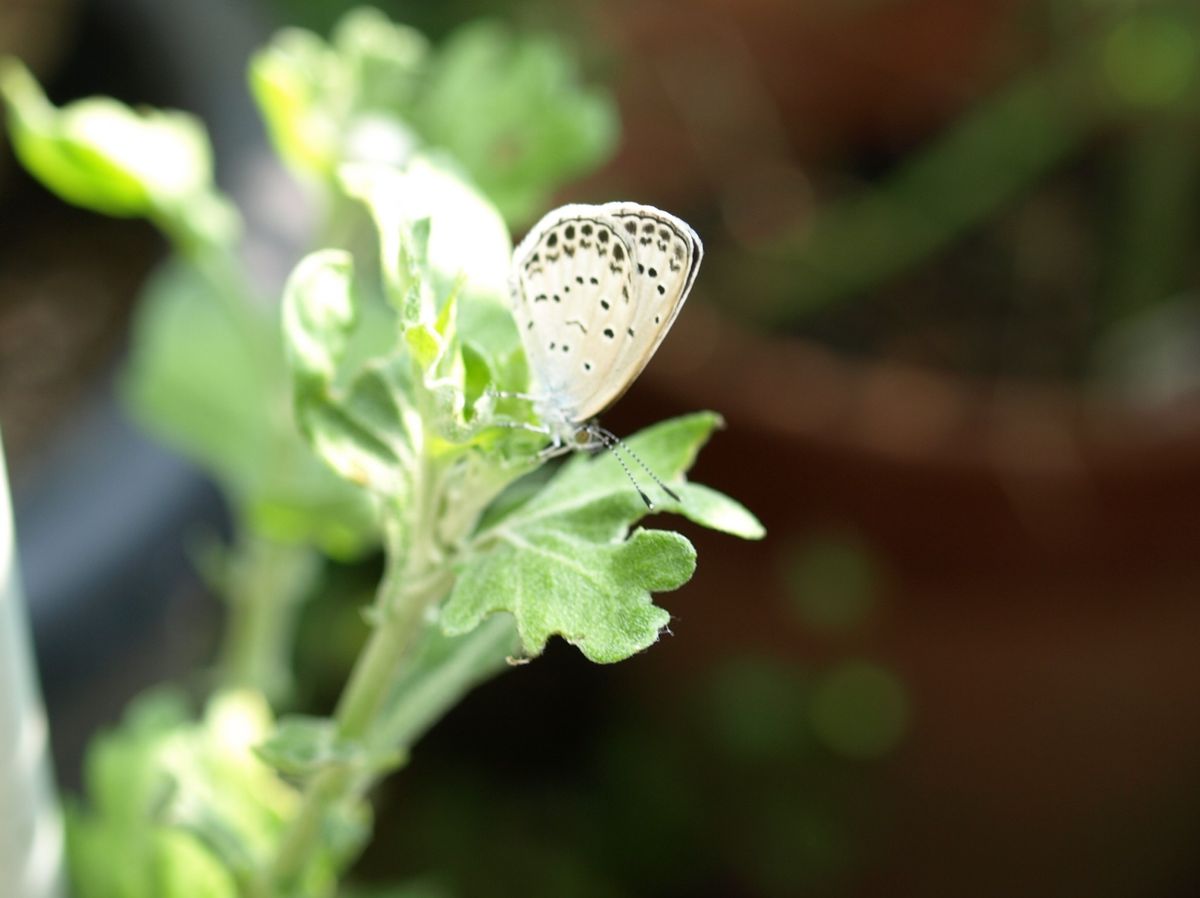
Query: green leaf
point(564, 562)
point(318, 316)
point(207, 375)
point(325, 103)
point(466, 238)
point(394, 424)
point(716, 511)
point(299, 85)
point(184, 868)
point(512, 111)
point(386, 58)
point(364, 433)
point(508, 109)
point(301, 746)
point(221, 792)
point(183, 808)
point(102, 155)
point(595, 596)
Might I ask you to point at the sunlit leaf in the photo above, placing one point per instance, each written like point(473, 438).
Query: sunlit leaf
point(103, 155)
point(566, 563)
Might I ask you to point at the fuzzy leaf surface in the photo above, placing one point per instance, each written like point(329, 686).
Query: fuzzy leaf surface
point(565, 562)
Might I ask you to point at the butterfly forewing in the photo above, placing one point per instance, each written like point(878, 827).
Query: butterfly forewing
point(595, 290)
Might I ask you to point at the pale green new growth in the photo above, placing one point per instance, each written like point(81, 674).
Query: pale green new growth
point(102, 155)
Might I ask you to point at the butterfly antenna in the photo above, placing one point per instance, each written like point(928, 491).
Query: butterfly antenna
point(612, 441)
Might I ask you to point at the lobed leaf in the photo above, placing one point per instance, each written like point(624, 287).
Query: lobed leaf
point(594, 595)
point(564, 563)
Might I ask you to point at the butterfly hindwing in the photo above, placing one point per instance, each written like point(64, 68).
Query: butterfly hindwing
point(666, 259)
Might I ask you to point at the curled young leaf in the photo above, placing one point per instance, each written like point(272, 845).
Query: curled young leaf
point(103, 155)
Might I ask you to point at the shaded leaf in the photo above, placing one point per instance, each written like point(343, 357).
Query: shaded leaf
point(214, 385)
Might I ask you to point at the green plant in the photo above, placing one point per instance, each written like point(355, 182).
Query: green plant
point(369, 419)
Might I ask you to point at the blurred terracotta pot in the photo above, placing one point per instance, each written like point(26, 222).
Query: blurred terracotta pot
point(1042, 559)
point(744, 82)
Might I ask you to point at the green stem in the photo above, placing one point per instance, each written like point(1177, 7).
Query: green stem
point(357, 710)
point(429, 687)
point(372, 675)
point(417, 578)
point(265, 583)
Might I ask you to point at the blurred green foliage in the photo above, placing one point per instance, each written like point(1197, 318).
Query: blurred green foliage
point(182, 809)
point(1021, 236)
point(832, 581)
point(377, 92)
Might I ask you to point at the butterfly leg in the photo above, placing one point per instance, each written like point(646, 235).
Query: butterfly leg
point(520, 425)
point(513, 394)
point(556, 448)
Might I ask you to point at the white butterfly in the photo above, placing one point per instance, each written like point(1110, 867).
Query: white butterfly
point(594, 291)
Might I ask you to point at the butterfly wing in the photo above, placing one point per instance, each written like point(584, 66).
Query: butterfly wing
point(595, 289)
point(572, 294)
point(666, 259)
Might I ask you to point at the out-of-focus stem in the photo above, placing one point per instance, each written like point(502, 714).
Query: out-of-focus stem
point(31, 838)
point(265, 583)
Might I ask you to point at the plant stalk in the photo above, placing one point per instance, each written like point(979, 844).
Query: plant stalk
point(415, 580)
point(265, 583)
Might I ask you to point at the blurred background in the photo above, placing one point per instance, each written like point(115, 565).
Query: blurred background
point(949, 309)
